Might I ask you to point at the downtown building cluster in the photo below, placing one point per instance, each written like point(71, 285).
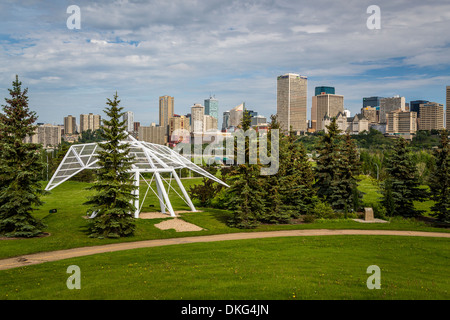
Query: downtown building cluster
point(389, 115)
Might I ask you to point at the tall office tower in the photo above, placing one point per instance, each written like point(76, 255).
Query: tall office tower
point(447, 124)
point(373, 102)
point(431, 116)
point(212, 107)
point(129, 118)
point(324, 90)
point(70, 124)
point(291, 102)
point(391, 104)
point(90, 121)
point(236, 115)
point(166, 108)
point(136, 126)
point(327, 105)
point(226, 120)
point(197, 118)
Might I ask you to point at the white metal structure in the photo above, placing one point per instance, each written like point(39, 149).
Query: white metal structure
point(148, 157)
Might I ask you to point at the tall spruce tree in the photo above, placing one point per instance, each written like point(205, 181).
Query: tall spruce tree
point(113, 201)
point(297, 178)
point(401, 187)
point(20, 167)
point(246, 188)
point(352, 171)
point(440, 180)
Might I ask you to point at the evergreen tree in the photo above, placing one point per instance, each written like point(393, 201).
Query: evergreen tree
point(401, 187)
point(440, 180)
point(297, 178)
point(351, 171)
point(329, 169)
point(113, 202)
point(20, 167)
point(246, 188)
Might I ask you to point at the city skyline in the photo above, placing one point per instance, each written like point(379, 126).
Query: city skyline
point(197, 49)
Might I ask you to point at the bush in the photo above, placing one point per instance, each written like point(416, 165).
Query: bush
point(309, 218)
point(323, 210)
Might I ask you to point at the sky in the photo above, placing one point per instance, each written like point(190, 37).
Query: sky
point(233, 50)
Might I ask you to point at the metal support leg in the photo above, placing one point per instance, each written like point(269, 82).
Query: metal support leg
point(183, 190)
point(136, 193)
point(164, 193)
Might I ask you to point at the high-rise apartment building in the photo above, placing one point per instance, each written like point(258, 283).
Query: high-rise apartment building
point(90, 121)
point(326, 105)
point(212, 107)
point(197, 118)
point(176, 124)
point(166, 109)
point(447, 102)
point(153, 134)
point(70, 124)
point(46, 134)
point(209, 123)
point(128, 117)
point(391, 104)
point(291, 102)
point(415, 106)
point(431, 116)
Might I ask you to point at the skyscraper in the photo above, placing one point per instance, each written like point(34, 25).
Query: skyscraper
point(326, 105)
point(197, 118)
point(129, 118)
point(165, 111)
point(447, 125)
point(212, 107)
point(70, 124)
point(431, 116)
point(373, 102)
point(291, 102)
point(324, 90)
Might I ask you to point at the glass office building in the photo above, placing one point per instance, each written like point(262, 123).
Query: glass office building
point(324, 90)
point(372, 102)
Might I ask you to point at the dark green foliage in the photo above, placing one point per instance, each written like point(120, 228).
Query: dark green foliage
point(337, 167)
point(113, 201)
point(440, 180)
point(20, 167)
point(89, 136)
point(246, 188)
point(206, 191)
point(401, 187)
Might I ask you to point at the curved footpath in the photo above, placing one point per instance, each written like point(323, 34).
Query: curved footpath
point(42, 257)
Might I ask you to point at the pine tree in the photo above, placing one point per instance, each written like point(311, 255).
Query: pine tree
point(440, 180)
point(329, 170)
point(351, 171)
point(113, 201)
point(402, 185)
point(20, 167)
point(246, 188)
point(298, 178)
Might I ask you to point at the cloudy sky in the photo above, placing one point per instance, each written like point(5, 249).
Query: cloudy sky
point(192, 49)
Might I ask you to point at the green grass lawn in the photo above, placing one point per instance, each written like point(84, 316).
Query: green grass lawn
point(329, 267)
point(68, 227)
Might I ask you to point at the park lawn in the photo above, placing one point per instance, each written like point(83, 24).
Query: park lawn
point(68, 226)
point(288, 268)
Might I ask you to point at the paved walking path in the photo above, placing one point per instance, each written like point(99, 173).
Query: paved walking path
point(42, 257)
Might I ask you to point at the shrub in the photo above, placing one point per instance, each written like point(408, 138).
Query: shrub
point(323, 210)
